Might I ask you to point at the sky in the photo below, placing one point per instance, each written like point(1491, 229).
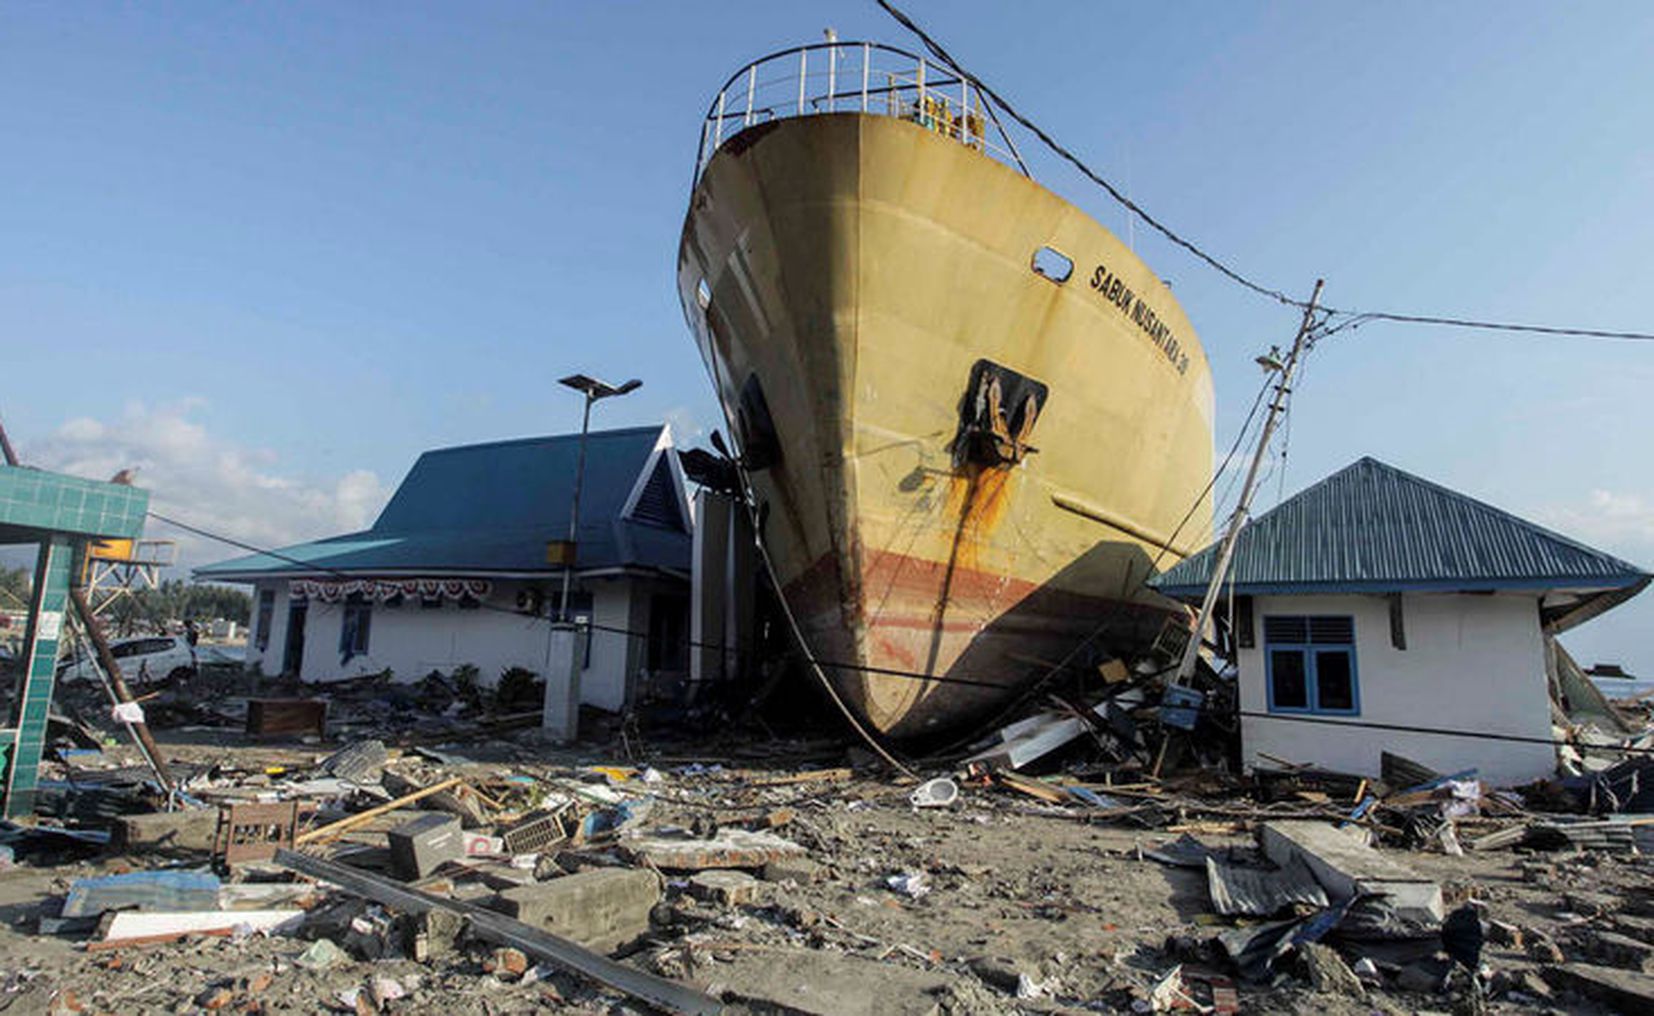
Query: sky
point(269, 253)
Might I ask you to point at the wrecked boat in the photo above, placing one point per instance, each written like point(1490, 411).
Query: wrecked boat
point(969, 419)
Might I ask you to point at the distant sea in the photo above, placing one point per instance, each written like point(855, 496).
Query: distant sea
point(1619, 687)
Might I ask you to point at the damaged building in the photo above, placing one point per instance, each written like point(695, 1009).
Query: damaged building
point(1377, 611)
point(463, 566)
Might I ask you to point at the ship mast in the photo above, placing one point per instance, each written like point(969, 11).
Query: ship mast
point(1237, 519)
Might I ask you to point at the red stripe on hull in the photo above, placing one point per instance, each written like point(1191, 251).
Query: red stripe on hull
point(990, 630)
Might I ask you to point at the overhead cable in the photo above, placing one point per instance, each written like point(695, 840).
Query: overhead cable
point(1233, 274)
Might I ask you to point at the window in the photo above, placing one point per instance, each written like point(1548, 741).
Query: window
point(1310, 664)
point(266, 613)
point(353, 632)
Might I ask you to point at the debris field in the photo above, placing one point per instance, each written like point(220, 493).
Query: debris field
point(456, 865)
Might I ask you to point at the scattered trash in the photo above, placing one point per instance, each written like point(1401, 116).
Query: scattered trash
point(910, 884)
point(937, 793)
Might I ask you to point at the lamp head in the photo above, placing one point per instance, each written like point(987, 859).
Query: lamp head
point(595, 389)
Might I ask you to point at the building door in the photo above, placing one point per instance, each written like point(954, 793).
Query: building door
point(292, 659)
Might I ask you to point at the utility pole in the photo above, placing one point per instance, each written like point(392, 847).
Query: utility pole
point(1237, 520)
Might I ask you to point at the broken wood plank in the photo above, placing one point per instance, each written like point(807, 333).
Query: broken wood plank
point(1033, 788)
point(808, 776)
point(1498, 840)
point(334, 830)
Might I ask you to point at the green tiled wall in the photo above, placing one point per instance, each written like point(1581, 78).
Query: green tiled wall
point(34, 499)
point(53, 571)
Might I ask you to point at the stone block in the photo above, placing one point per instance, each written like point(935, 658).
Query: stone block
point(724, 886)
point(793, 869)
point(601, 910)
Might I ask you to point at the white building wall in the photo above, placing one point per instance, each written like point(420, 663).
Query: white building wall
point(1472, 663)
point(605, 680)
point(411, 641)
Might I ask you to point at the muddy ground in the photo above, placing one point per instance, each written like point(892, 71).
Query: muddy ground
point(1018, 896)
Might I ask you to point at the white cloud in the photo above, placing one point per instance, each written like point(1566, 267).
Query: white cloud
point(687, 429)
point(208, 482)
point(1618, 522)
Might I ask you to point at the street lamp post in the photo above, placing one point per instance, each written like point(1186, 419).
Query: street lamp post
point(593, 389)
point(560, 717)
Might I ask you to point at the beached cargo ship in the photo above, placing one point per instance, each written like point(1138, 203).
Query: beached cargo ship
point(969, 417)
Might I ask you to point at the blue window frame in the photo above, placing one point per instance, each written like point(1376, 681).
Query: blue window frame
point(1309, 664)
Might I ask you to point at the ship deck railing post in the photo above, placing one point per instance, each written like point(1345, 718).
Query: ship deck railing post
point(718, 131)
point(832, 75)
point(752, 86)
point(921, 90)
point(866, 59)
point(803, 73)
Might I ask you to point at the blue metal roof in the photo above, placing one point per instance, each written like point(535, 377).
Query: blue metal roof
point(1371, 527)
point(493, 508)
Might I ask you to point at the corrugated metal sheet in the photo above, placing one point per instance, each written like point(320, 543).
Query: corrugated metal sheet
point(1261, 893)
point(493, 507)
point(1373, 527)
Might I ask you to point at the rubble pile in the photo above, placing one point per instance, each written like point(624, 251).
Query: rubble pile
point(499, 875)
point(383, 848)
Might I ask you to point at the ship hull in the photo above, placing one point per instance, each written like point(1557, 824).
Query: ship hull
point(963, 469)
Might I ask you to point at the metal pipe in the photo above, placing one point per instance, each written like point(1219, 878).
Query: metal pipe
point(803, 72)
point(112, 668)
point(5, 442)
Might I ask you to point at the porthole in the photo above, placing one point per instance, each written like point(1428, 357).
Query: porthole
point(1053, 264)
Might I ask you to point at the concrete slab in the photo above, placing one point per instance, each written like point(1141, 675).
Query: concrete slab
point(601, 910)
point(1345, 866)
point(731, 848)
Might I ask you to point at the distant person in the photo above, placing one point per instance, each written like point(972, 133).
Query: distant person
point(191, 633)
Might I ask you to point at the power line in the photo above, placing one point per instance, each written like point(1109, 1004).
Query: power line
point(1233, 274)
point(749, 651)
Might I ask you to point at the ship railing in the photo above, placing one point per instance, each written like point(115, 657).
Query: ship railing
point(856, 77)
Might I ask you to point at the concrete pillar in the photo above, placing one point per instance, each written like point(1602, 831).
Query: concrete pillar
point(708, 593)
point(561, 719)
point(740, 592)
point(54, 570)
